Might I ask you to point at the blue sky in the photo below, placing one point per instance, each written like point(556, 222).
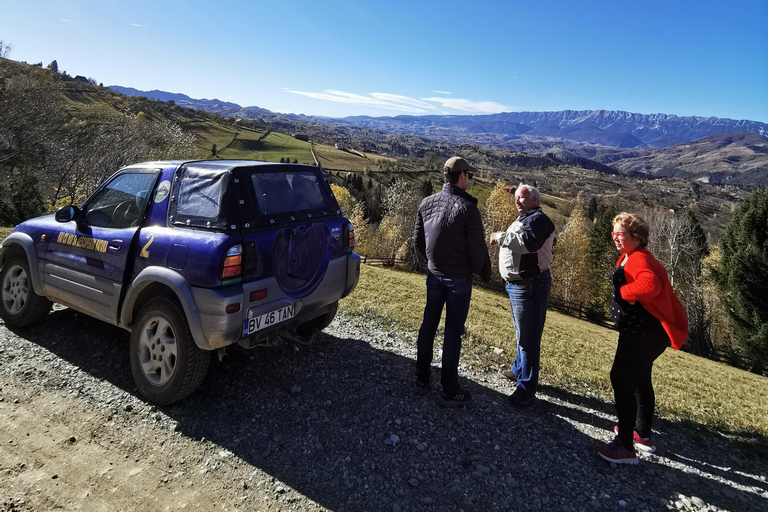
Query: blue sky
point(340, 58)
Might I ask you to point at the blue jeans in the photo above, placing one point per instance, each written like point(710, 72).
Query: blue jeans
point(455, 295)
point(528, 299)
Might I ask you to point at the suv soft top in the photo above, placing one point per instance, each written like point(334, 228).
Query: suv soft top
point(242, 195)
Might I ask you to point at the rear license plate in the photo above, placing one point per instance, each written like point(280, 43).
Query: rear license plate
point(260, 322)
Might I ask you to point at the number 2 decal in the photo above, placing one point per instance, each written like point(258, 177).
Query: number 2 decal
point(144, 252)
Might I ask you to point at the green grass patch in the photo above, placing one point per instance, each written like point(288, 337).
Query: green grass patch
point(250, 145)
point(576, 355)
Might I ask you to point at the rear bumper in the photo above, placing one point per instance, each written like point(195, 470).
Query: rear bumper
point(215, 328)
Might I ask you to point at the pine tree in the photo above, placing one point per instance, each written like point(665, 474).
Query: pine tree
point(743, 276)
point(426, 187)
point(601, 257)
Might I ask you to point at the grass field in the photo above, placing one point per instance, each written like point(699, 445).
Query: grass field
point(577, 355)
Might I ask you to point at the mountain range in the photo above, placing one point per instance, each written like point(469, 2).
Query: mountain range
point(709, 149)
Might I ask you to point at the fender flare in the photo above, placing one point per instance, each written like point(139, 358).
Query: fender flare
point(176, 283)
point(28, 245)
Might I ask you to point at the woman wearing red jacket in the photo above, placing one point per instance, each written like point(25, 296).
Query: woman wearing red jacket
point(649, 318)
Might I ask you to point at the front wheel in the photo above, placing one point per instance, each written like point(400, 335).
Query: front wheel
point(166, 363)
point(20, 306)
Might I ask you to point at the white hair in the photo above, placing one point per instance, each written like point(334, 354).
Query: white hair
point(532, 190)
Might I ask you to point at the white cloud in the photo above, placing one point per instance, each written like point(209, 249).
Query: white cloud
point(67, 21)
point(442, 92)
point(378, 100)
point(406, 104)
point(137, 25)
point(486, 107)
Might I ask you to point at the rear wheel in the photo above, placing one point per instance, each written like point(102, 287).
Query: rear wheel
point(166, 363)
point(318, 324)
point(20, 306)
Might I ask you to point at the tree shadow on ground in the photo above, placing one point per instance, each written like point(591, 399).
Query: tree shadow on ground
point(322, 420)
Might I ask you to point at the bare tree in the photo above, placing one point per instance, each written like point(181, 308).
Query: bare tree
point(679, 243)
point(5, 49)
point(401, 200)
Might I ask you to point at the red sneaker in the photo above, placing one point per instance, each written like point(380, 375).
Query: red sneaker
point(645, 444)
point(616, 452)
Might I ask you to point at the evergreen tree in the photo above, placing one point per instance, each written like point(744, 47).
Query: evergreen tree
point(591, 209)
point(601, 258)
point(20, 197)
point(426, 188)
point(743, 276)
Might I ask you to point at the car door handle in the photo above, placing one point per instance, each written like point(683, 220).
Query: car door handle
point(115, 244)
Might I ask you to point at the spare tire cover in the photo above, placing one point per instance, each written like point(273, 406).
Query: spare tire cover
point(300, 257)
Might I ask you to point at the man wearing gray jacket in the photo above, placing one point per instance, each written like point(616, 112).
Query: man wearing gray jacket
point(525, 252)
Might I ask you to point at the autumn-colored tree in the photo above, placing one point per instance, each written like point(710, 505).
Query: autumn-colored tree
point(401, 200)
point(353, 210)
point(499, 213)
point(570, 272)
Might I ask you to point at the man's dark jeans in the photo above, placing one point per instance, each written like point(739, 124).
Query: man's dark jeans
point(455, 294)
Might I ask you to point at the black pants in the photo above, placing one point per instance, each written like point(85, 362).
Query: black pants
point(631, 380)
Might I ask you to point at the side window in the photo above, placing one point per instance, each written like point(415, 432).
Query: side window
point(121, 202)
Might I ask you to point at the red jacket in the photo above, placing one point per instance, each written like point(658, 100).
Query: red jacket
point(648, 282)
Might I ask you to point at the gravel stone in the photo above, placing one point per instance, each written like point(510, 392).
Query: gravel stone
point(319, 428)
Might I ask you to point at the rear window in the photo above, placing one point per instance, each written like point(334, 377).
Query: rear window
point(281, 192)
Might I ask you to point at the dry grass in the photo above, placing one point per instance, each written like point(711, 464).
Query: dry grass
point(576, 355)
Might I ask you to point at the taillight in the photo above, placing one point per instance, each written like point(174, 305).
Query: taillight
point(349, 237)
point(232, 265)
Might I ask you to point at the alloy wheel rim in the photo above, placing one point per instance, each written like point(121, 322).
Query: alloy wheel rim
point(15, 289)
point(158, 351)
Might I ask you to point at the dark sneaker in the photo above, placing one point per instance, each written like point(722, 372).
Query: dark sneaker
point(461, 398)
point(519, 398)
point(509, 375)
point(422, 388)
point(616, 452)
point(644, 444)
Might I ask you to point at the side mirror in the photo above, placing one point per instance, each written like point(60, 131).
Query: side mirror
point(67, 213)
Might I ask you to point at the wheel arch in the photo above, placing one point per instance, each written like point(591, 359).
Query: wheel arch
point(159, 281)
point(22, 243)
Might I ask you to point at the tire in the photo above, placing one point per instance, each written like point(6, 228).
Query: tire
point(20, 306)
point(166, 363)
point(318, 324)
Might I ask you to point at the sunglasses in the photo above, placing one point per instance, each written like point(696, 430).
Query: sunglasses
point(615, 234)
point(469, 174)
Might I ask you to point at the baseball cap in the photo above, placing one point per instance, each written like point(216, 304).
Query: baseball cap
point(457, 165)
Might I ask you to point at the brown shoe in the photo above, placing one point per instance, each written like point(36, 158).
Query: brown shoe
point(509, 375)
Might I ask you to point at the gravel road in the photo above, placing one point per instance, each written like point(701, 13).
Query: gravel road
point(332, 426)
